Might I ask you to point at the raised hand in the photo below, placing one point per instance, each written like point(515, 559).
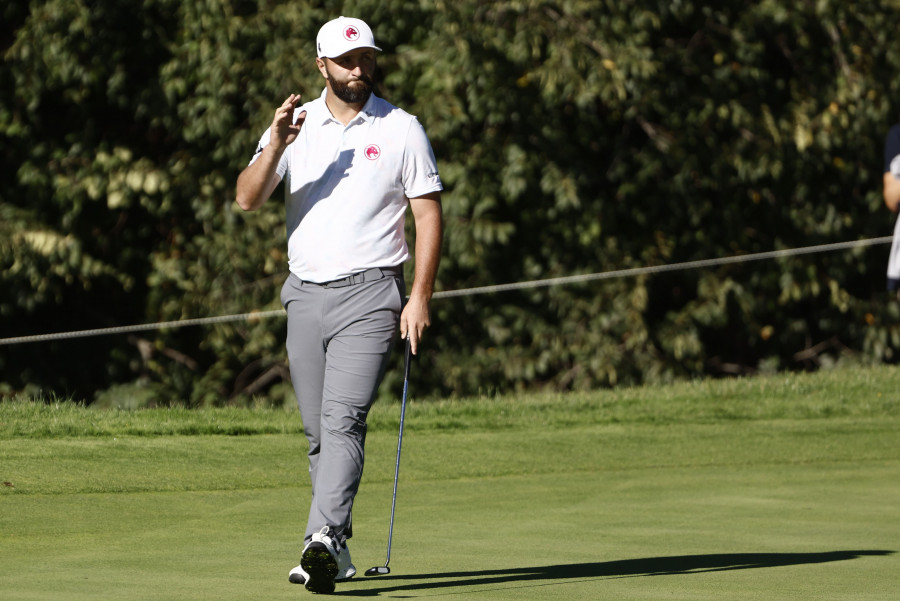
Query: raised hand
point(284, 129)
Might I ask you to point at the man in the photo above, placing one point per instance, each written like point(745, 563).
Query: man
point(891, 194)
point(351, 163)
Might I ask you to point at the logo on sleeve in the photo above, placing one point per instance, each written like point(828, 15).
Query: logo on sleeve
point(372, 152)
point(351, 34)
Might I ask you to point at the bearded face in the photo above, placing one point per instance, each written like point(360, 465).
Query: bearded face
point(351, 91)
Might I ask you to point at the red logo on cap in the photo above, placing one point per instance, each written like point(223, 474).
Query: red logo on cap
point(372, 152)
point(351, 33)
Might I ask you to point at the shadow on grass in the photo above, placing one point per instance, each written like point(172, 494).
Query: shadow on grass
point(627, 568)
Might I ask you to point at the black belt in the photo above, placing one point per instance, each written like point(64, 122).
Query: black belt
point(369, 275)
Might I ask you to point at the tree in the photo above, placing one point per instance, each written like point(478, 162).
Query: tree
point(573, 136)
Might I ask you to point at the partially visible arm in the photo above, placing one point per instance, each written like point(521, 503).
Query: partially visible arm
point(257, 181)
point(891, 191)
point(429, 223)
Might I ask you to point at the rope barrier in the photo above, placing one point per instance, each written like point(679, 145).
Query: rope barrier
point(636, 271)
point(560, 281)
point(163, 325)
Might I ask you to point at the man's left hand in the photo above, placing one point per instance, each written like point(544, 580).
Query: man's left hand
point(413, 321)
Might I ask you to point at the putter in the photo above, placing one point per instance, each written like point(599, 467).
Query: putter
point(381, 570)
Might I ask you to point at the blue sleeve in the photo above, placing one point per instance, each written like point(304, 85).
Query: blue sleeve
point(891, 146)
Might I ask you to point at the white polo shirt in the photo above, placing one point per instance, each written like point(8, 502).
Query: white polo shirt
point(347, 188)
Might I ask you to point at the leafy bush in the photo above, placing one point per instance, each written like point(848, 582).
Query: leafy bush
point(573, 137)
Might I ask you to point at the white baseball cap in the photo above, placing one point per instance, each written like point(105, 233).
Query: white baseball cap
point(343, 35)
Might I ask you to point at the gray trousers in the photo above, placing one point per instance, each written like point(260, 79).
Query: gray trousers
point(339, 340)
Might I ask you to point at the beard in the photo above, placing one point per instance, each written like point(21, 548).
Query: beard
point(353, 92)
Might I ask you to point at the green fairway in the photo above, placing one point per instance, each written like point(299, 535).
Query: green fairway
point(783, 487)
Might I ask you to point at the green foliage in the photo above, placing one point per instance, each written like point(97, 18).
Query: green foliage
point(591, 136)
point(573, 137)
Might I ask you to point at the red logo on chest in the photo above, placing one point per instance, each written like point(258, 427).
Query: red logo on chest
point(372, 152)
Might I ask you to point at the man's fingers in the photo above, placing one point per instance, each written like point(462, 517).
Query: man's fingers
point(413, 322)
point(286, 110)
point(411, 333)
point(413, 341)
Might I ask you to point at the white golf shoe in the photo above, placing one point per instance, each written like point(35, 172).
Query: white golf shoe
point(298, 575)
point(324, 562)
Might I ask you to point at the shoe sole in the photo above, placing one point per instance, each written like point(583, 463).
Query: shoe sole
point(322, 568)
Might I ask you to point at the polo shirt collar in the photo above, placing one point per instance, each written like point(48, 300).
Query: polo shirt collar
point(368, 110)
point(367, 113)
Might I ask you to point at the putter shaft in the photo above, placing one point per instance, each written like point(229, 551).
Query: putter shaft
point(380, 570)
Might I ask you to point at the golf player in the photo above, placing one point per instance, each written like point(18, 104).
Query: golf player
point(351, 163)
point(892, 200)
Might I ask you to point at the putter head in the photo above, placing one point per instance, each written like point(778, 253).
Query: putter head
point(378, 571)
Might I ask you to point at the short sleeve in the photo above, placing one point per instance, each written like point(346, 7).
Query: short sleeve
point(420, 172)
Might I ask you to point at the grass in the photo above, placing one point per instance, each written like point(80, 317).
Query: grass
point(856, 392)
point(773, 487)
